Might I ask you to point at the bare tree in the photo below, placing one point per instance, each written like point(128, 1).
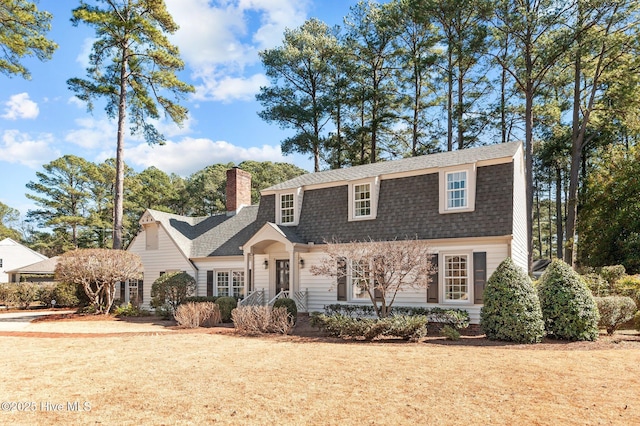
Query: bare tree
point(380, 268)
point(98, 271)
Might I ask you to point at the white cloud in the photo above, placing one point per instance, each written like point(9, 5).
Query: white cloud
point(20, 148)
point(220, 39)
point(85, 51)
point(227, 89)
point(20, 106)
point(190, 155)
point(93, 133)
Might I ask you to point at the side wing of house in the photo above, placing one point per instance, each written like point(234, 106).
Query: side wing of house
point(160, 254)
point(14, 255)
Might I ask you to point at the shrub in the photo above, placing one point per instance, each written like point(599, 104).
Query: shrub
point(511, 308)
point(227, 305)
point(7, 294)
point(172, 289)
point(201, 314)
point(130, 310)
point(450, 333)
point(598, 285)
point(406, 327)
point(69, 294)
point(25, 294)
point(46, 293)
point(636, 321)
point(164, 311)
point(290, 304)
point(568, 308)
point(611, 274)
point(262, 319)
point(615, 311)
point(198, 299)
point(629, 285)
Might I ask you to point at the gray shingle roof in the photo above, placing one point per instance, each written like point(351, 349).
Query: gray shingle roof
point(47, 266)
point(443, 159)
point(219, 235)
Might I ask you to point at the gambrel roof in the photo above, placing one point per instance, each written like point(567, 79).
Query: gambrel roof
point(423, 162)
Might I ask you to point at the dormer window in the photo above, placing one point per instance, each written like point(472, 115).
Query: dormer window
point(287, 209)
point(363, 199)
point(458, 189)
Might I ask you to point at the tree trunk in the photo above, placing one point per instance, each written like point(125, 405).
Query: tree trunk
point(559, 230)
point(529, 168)
point(540, 255)
point(450, 100)
point(118, 197)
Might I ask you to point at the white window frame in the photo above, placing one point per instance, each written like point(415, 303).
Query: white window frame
point(444, 280)
point(231, 288)
point(296, 195)
point(373, 199)
point(470, 189)
point(354, 277)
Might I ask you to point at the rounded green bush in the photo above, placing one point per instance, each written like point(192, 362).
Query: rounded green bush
point(290, 304)
point(511, 308)
point(568, 308)
point(615, 311)
point(226, 305)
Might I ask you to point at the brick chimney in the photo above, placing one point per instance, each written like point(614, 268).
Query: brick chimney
point(238, 189)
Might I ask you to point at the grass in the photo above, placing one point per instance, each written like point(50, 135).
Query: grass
point(201, 378)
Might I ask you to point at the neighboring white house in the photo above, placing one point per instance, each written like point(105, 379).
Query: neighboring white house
point(14, 255)
point(469, 206)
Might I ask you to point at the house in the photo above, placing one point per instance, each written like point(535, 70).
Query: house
point(469, 206)
point(14, 255)
point(39, 272)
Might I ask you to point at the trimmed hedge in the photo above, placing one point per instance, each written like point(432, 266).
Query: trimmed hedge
point(568, 308)
point(511, 308)
point(227, 305)
point(457, 318)
point(290, 304)
point(406, 327)
point(615, 311)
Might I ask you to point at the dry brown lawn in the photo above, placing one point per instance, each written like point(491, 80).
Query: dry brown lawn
point(213, 376)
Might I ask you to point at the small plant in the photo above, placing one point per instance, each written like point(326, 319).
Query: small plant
point(450, 333)
point(130, 310)
point(611, 274)
point(511, 310)
point(164, 311)
point(615, 311)
point(25, 294)
point(172, 289)
point(289, 304)
point(262, 319)
point(46, 293)
point(411, 327)
point(197, 299)
point(568, 308)
point(70, 295)
point(227, 305)
point(629, 285)
point(201, 314)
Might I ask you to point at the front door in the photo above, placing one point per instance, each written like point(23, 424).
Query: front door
point(282, 275)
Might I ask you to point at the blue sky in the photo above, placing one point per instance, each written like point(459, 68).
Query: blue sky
point(219, 40)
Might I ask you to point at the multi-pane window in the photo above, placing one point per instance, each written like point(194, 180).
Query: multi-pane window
point(360, 277)
point(456, 278)
point(362, 200)
point(133, 291)
point(237, 284)
point(287, 210)
point(457, 190)
point(222, 282)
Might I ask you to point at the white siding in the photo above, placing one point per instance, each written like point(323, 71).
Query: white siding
point(519, 248)
point(322, 290)
point(14, 255)
point(166, 258)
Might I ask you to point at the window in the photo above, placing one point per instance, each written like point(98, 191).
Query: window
point(456, 278)
point(457, 190)
point(362, 200)
point(287, 208)
point(0, 263)
point(230, 283)
point(133, 291)
point(360, 277)
point(222, 281)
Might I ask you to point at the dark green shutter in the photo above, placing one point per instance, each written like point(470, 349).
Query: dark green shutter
point(342, 279)
point(209, 283)
point(140, 291)
point(432, 291)
point(479, 275)
point(122, 286)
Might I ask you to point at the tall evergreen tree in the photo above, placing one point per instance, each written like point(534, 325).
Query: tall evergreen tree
point(133, 65)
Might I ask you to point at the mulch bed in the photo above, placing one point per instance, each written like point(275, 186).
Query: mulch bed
point(304, 332)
